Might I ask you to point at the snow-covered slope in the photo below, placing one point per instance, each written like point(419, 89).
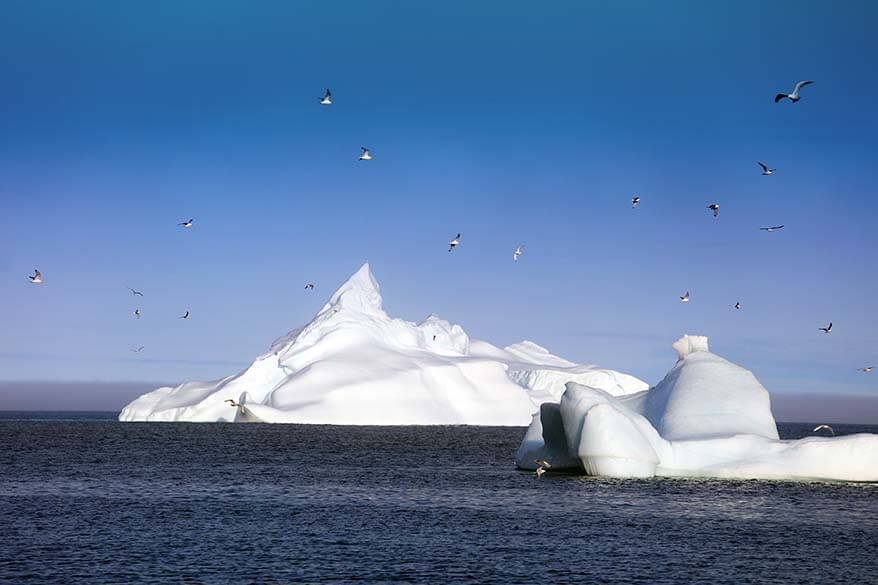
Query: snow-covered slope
point(707, 417)
point(353, 364)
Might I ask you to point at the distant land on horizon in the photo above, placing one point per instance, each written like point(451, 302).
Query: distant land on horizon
point(112, 396)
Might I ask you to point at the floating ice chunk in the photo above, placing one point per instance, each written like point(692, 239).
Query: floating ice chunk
point(707, 417)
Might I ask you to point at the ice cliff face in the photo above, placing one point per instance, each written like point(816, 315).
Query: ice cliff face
point(707, 417)
point(353, 364)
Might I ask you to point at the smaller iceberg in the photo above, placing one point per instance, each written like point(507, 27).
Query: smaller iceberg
point(708, 417)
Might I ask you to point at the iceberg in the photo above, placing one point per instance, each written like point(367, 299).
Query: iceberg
point(708, 417)
point(355, 365)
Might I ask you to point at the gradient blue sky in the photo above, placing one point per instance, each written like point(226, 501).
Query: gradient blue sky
point(510, 122)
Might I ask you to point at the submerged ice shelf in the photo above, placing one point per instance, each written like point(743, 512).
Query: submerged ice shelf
point(707, 417)
point(353, 364)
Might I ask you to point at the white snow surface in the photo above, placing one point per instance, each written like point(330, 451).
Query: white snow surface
point(707, 417)
point(355, 365)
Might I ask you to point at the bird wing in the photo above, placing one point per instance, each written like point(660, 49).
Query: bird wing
point(801, 84)
point(37, 272)
point(779, 97)
point(777, 227)
point(328, 93)
point(764, 168)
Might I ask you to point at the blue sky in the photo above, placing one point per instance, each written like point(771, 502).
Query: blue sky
point(508, 122)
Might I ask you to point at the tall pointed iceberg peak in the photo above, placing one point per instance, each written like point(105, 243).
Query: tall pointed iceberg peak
point(354, 364)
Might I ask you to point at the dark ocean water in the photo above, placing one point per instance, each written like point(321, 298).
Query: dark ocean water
point(85, 499)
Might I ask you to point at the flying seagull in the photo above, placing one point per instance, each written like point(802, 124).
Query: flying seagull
point(865, 370)
point(821, 427)
point(309, 286)
point(137, 313)
point(766, 170)
point(515, 254)
point(738, 305)
point(231, 402)
point(714, 207)
point(185, 315)
point(634, 202)
point(37, 278)
point(826, 329)
point(135, 292)
point(365, 155)
point(325, 100)
point(794, 97)
point(453, 242)
point(138, 350)
point(186, 224)
point(685, 298)
point(772, 228)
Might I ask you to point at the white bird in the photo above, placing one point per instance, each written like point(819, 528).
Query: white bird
point(517, 253)
point(539, 472)
point(365, 155)
point(137, 313)
point(135, 292)
point(685, 298)
point(543, 463)
point(772, 228)
point(865, 370)
point(185, 315)
point(325, 100)
point(454, 242)
point(634, 202)
point(138, 350)
point(821, 427)
point(37, 278)
point(714, 207)
point(794, 97)
point(766, 170)
point(187, 224)
point(738, 305)
point(826, 329)
point(309, 286)
point(231, 402)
